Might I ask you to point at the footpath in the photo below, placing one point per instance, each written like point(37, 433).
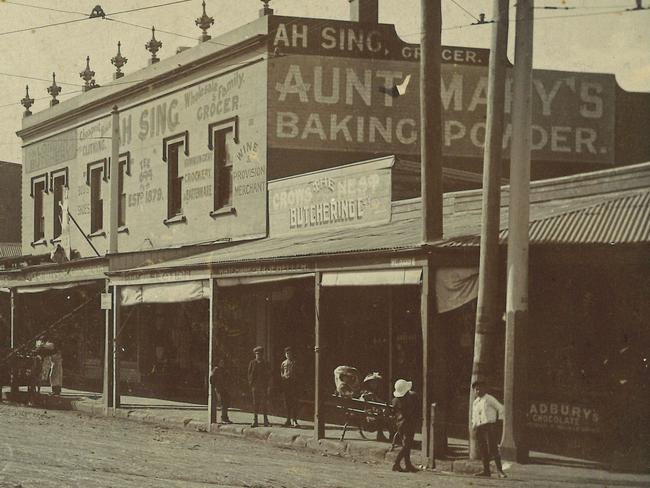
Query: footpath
point(188, 416)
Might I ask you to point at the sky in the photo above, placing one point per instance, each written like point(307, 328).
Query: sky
point(585, 36)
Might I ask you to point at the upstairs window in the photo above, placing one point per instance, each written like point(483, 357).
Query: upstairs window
point(218, 136)
point(58, 181)
point(125, 170)
point(39, 188)
point(174, 182)
point(172, 147)
point(95, 176)
point(222, 170)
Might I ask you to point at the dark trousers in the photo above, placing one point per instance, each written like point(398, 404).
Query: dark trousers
point(486, 436)
point(259, 401)
point(224, 397)
point(290, 399)
point(405, 452)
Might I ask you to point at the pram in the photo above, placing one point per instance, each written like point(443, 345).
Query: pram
point(361, 403)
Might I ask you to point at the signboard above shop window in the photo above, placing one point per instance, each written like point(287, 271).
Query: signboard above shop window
point(347, 196)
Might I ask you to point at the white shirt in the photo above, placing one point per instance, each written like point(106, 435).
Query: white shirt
point(485, 410)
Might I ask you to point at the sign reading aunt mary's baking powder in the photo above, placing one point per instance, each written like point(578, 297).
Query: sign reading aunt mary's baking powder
point(352, 195)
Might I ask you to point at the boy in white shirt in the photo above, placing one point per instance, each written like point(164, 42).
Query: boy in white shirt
point(486, 410)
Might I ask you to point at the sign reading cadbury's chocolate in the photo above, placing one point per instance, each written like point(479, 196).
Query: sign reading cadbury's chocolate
point(332, 86)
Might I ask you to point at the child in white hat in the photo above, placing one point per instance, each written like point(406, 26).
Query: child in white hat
point(406, 408)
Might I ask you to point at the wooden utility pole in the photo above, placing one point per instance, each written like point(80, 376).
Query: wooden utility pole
point(514, 443)
point(487, 308)
point(114, 182)
point(433, 375)
point(111, 353)
point(431, 121)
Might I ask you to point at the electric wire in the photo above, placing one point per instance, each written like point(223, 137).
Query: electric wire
point(87, 17)
point(465, 10)
point(11, 2)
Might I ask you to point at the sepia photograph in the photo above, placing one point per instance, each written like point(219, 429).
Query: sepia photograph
point(324, 243)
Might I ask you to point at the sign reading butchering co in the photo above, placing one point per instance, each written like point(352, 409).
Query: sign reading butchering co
point(352, 195)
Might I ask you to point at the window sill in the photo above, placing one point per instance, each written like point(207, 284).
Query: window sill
point(41, 242)
point(223, 211)
point(123, 229)
point(97, 233)
point(176, 219)
point(56, 240)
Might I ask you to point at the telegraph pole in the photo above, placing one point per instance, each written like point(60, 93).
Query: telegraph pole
point(433, 354)
point(485, 335)
point(111, 356)
point(431, 120)
point(114, 182)
point(513, 441)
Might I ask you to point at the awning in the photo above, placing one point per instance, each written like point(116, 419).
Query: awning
point(386, 277)
point(183, 291)
point(455, 287)
point(256, 280)
point(59, 286)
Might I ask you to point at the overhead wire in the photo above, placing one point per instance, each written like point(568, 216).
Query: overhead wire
point(11, 2)
point(465, 10)
point(88, 17)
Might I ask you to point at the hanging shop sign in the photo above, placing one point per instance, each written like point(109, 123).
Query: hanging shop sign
point(560, 416)
point(106, 301)
point(347, 88)
point(347, 196)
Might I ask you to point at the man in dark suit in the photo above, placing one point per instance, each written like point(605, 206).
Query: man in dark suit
point(259, 375)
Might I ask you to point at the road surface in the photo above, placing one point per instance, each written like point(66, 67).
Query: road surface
point(66, 449)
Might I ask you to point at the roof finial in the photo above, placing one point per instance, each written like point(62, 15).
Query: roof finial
point(266, 10)
point(153, 46)
point(54, 90)
point(88, 76)
point(118, 61)
point(27, 102)
point(204, 22)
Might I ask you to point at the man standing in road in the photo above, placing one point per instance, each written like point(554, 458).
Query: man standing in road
point(258, 380)
point(288, 375)
point(486, 410)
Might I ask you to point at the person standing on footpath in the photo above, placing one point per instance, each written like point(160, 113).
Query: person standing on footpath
point(406, 407)
point(56, 373)
point(220, 382)
point(486, 410)
point(259, 375)
point(289, 378)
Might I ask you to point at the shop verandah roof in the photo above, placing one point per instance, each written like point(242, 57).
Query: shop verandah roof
point(604, 207)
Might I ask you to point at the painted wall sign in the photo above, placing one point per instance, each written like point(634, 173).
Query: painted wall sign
point(353, 195)
point(236, 95)
point(563, 416)
point(333, 93)
point(351, 39)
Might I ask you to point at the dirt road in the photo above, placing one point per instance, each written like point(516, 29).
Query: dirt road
point(63, 449)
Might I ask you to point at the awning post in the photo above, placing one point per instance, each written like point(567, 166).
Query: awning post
point(12, 317)
point(319, 419)
point(117, 341)
point(107, 387)
point(212, 344)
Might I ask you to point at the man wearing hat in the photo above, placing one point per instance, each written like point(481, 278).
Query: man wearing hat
point(406, 408)
point(288, 376)
point(258, 380)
